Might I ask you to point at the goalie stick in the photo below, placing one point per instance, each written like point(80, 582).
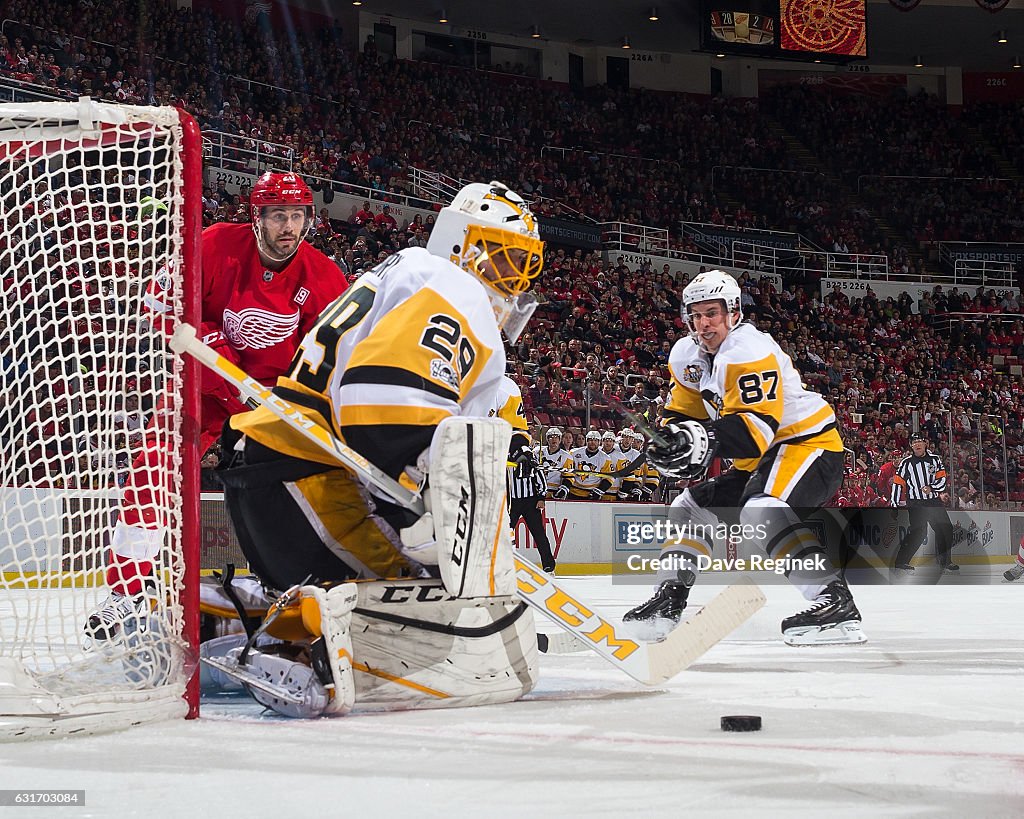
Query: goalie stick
point(648, 663)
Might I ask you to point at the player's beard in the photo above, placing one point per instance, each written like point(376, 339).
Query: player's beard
point(283, 252)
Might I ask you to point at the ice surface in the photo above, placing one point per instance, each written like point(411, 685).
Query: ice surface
point(924, 720)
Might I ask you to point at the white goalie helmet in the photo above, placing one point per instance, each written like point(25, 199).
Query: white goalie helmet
point(709, 286)
point(490, 223)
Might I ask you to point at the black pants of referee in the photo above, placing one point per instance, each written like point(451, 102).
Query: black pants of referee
point(526, 508)
point(922, 515)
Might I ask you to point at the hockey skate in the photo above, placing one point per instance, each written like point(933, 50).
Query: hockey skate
point(1014, 573)
point(832, 619)
point(659, 615)
point(119, 613)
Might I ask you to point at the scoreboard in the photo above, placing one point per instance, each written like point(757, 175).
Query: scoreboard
point(831, 30)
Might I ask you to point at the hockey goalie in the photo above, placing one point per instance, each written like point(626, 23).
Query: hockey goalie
point(358, 600)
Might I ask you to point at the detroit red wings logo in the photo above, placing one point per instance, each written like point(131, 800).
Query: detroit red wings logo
point(257, 328)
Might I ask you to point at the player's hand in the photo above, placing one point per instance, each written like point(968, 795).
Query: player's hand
point(596, 493)
point(561, 493)
point(685, 450)
point(212, 384)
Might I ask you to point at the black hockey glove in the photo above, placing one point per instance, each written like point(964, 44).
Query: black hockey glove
point(685, 452)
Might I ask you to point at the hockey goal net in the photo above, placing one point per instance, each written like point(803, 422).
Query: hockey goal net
point(96, 202)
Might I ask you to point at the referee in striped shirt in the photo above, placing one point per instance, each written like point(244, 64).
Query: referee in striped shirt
point(525, 480)
point(920, 485)
point(527, 483)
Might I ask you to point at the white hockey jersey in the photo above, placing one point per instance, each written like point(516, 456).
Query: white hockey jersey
point(616, 460)
point(508, 405)
point(411, 342)
point(585, 462)
point(752, 392)
point(553, 463)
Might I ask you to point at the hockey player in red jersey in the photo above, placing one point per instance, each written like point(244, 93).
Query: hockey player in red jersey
point(263, 289)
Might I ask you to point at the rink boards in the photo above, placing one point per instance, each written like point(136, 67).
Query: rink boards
point(587, 538)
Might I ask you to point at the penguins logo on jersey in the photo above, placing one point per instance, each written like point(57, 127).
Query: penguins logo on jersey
point(692, 374)
point(713, 403)
point(442, 371)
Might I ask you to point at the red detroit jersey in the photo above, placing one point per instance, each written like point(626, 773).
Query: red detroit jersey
point(264, 317)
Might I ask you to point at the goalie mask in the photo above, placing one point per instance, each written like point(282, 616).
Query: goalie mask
point(490, 232)
point(278, 234)
point(712, 285)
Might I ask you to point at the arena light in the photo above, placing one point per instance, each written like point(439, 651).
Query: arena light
point(1016, 62)
point(535, 32)
point(625, 42)
point(652, 15)
point(720, 56)
point(357, 2)
point(1001, 36)
point(442, 17)
point(918, 62)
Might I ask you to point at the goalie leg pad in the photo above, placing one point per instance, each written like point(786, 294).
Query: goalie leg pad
point(327, 613)
point(467, 500)
point(418, 646)
point(213, 600)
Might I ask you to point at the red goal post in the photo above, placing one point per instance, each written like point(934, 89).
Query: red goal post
point(97, 202)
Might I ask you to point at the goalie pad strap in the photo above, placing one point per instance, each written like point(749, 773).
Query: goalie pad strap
point(443, 628)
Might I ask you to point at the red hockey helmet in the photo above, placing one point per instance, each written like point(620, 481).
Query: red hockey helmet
point(283, 190)
point(279, 189)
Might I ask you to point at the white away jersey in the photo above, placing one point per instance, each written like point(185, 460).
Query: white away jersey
point(553, 463)
point(411, 342)
point(585, 462)
point(752, 391)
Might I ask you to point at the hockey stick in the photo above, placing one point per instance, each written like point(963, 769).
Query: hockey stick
point(638, 420)
point(649, 663)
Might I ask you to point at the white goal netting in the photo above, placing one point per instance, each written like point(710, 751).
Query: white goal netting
point(93, 210)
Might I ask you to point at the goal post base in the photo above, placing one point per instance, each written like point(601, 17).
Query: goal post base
point(30, 711)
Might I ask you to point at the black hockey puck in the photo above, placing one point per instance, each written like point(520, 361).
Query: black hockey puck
point(741, 723)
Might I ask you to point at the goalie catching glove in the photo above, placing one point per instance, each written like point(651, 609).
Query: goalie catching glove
point(685, 450)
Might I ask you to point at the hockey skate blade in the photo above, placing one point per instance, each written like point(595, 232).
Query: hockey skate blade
point(652, 629)
point(251, 680)
point(848, 633)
